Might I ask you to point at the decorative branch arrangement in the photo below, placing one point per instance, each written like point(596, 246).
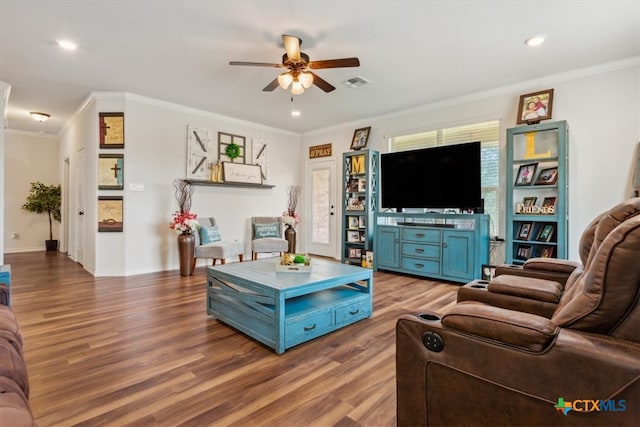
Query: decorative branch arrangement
point(294, 195)
point(184, 194)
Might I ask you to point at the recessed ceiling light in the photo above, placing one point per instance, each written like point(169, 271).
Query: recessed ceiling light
point(67, 45)
point(295, 113)
point(534, 40)
point(39, 117)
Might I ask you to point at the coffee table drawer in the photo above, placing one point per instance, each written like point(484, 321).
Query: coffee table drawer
point(351, 313)
point(301, 329)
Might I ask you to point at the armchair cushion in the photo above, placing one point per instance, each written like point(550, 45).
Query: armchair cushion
point(527, 287)
point(261, 231)
point(210, 234)
point(523, 330)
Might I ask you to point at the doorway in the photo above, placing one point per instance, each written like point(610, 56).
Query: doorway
point(321, 189)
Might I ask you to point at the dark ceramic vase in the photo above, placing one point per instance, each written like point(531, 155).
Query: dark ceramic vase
point(290, 236)
point(186, 249)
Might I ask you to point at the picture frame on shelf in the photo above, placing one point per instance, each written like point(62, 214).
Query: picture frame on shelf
point(355, 253)
point(525, 174)
point(547, 176)
point(360, 138)
point(534, 107)
point(546, 233)
point(523, 252)
point(362, 185)
point(352, 185)
point(353, 223)
point(368, 259)
point(524, 231)
point(362, 222)
point(353, 236)
point(549, 202)
point(356, 204)
point(529, 201)
point(242, 173)
point(546, 252)
point(488, 272)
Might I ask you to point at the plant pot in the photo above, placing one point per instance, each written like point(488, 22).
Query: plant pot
point(52, 245)
point(186, 251)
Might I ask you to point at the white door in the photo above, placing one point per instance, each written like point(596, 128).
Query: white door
point(80, 215)
point(321, 209)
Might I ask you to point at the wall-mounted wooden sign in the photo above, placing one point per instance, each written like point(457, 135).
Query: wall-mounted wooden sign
point(111, 130)
point(323, 150)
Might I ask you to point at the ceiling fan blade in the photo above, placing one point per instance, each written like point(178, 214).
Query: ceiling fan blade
point(256, 64)
point(292, 46)
point(271, 86)
point(335, 63)
point(322, 83)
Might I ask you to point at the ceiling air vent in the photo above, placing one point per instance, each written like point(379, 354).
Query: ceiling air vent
point(356, 82)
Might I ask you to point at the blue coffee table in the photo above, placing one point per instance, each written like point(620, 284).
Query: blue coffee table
point(282, 310)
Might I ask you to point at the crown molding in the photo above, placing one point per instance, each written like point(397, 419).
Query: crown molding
point(503, 90)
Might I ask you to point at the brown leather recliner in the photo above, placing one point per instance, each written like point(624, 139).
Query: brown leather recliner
point(479, 364)
point(536, 287)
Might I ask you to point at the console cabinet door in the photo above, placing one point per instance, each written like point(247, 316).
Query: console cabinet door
point(388, 247)
point(457, 254)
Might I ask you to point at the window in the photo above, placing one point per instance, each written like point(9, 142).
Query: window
point(488, 135)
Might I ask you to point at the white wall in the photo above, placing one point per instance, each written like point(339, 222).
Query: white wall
point(4, 97)
point(29, 158)
point(600, 104)
point(155, 155)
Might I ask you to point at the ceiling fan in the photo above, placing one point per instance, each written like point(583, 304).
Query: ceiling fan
point(300, 76)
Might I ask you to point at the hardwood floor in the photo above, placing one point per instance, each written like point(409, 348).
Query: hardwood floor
point(141, 350)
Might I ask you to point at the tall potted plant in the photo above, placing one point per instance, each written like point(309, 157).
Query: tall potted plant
point(45, 199)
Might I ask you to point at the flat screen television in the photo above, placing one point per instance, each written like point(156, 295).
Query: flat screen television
point(446, 177)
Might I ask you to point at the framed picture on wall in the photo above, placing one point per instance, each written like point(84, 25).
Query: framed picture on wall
point(110, 171)
point(110, 216)
point(111, 130)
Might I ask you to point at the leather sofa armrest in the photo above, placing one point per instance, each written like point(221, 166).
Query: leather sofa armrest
point(562, 266)
point(527, 287)
point(557, 270)
point(522, 330)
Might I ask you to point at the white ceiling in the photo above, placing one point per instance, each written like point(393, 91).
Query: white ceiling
point(413, 52)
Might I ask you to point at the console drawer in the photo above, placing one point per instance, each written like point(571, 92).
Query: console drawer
point(421, 266)
point(420, 251)
point(421, 235)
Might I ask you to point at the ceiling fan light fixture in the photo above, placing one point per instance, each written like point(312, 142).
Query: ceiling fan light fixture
point(39, 117)
point(306, 79)
point(285, 79)
point(297, 88)
point(536, 40)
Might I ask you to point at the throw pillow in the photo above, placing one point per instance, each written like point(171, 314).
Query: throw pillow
point(260, 231)
point(209, 234)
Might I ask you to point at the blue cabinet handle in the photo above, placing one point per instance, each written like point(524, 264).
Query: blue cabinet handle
point(310, 328)
point(419, 265)
point(419, 235)
point(354, 312)
point(419, 250)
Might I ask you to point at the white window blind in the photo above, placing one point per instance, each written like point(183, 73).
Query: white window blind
point(488, 135)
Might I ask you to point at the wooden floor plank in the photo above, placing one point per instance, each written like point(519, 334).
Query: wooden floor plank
point(141, 350)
